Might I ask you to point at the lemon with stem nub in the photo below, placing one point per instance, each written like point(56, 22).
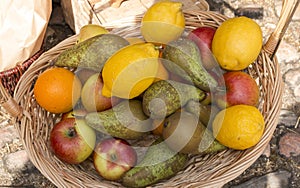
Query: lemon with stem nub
point(130, 71)
point(239, 127)
point(163, 22)
point(237, 43)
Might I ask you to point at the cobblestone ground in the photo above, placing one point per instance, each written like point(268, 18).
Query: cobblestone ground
point(279, 164)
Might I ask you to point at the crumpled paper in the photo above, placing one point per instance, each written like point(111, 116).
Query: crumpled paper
point(23, 25)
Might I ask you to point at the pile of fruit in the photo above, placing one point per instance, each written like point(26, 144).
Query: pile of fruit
point(189, 91)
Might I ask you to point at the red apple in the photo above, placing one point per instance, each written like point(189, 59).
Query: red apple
point(203, 37)
point(113, 157)
point(72, 140)
point(91, 95)
point(240, 88)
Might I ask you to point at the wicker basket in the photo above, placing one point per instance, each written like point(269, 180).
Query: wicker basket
point(10, 77)
point(34, 123)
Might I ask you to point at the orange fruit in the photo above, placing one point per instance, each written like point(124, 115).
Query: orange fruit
point(57, 90)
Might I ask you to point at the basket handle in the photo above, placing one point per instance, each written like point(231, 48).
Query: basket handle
point(288, 9)
point(9, 104)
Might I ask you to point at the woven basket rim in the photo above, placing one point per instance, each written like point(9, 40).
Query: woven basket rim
point(22, 65)
point(266, 70)
point(10, 77)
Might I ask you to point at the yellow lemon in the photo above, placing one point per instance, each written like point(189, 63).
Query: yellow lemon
point(130, 71)
point(237, 43)
point(163, 22)
point(89, 31)
point(239, 127)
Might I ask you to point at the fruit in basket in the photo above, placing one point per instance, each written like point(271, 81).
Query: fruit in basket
point(237, 43)
point(72, 140)
point(240, 88)
point(204, 112)
point(177, 78)
point(185, 134)
point(57, 90)
point(113, 157)
point(183, 58)
point(163, 22)
point(89, 31)
point(239, 127)
point(164, 97)
point(159, 163)
point(91, 95)
point(83, 74)
point(203, 37)
point(75, 113)
point(125, 120)
point(158, 126)
point(92, 53)
point(130, 71)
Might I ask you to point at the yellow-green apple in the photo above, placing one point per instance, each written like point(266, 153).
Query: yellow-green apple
point(91, 95)
point(113, 157)
point(203, 37)
point(72, 140)
point(89, 31)
point(239, 88)
point(84, 73)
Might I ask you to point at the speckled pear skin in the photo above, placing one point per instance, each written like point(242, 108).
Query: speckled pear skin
point(164, 97)
point(91, 53)
point(159, 163)
point(184, 60)
point(126, 120)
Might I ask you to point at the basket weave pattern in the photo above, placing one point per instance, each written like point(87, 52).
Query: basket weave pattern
point(10, 77)
point(34, 124)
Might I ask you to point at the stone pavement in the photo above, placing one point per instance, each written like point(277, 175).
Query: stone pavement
point(277, 167)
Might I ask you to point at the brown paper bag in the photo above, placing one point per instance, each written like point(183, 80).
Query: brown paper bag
point(23, 25)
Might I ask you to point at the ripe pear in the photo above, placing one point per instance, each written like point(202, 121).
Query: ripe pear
point(164, 97)
point(184, 133)
point(125, 120)
point(91, 53)
point(89, 31)
point(182, 57)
